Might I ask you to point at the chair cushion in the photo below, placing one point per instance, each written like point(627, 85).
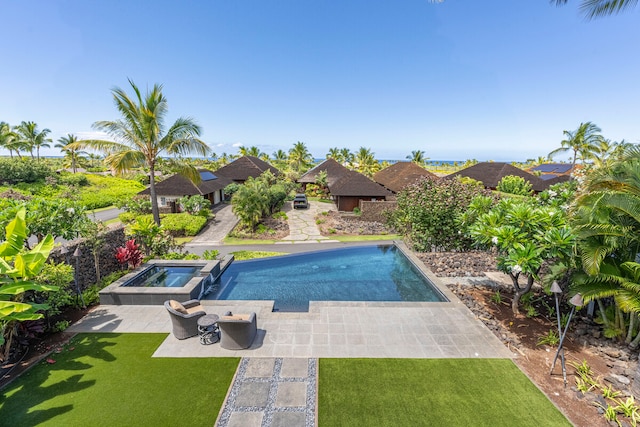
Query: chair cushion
point(194, 309)
point(235, 317)
point(178, 307)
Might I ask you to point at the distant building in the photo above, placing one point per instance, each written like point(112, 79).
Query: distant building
point(176, 186)
point(553, 173)
point(491, 173)
point(400, 174)
point(346, 187)
point(244, 167)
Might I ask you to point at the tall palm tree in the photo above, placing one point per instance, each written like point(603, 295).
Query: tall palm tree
point(140, 137)
point(30, 138)
point(67, 144)
point(251, 151)
point(582, 142)
point(417, 156)
point(335, 154)
point(8, 138)
point(299, 157)
point(366, 161)
point(599, 8)
point(347, 156)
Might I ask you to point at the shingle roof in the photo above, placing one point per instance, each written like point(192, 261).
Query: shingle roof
point(334, 170)
point(400, 174)
point(244, 167)
point(179, 185)
point(490, 174)
point(356, 184)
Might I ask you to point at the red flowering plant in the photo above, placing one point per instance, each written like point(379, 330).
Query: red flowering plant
point(129, 254)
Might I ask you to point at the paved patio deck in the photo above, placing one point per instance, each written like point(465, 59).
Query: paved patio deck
point(329, 329)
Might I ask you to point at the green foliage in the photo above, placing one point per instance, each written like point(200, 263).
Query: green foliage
point(496, 297)
point(211, 254)
point(515, 185)
point(427, 213)
point(552, 339)
point(245, 255)
point(14, 171)
point(280, 215)
point(18, 268)
point(232, 188)
point(60, 276)
point(136, 205)
point(107, 190)
point(61, 325)
point(155, 240)
point(559, 195)
point(77, 179)
point(357, 211)
point(195, 205)
point(127, 217)
point(183, 224)
point(90, 295)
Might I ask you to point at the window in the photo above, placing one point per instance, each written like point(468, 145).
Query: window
point(163, 201)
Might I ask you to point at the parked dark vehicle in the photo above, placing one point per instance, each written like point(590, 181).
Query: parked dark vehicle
point(300, 201)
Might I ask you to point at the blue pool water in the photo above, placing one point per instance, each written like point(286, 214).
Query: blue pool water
point(164, 277)
point(370, 273)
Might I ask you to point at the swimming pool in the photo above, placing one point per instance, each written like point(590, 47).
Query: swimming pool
point(369, 273)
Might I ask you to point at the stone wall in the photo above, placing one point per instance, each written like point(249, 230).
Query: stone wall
point(375, 211)
point(86, 270)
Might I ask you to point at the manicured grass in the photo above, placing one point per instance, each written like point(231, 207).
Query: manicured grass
point(245, 255)
point(182, 240)
point(435, 392)
point(365, 238)
point(112, 380)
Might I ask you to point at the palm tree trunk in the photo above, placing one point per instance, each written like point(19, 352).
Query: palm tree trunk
point(605, 321)
point(152, 193)
point(632, 323)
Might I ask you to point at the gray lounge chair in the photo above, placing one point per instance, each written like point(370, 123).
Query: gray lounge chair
point(184, 317)
point(237, 331)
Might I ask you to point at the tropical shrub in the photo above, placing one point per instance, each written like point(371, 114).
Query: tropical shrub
point(18, 269)
point(183, 224)
point(58, 275)
point(107, 191)
point(77, 179)
point(136, 205)
point(129, 254)
point(515, 185)
point(14, 171)
point(525, 237)
point(195, 205)
point(427, 213)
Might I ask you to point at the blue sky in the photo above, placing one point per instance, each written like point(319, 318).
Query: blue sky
point(490, 80)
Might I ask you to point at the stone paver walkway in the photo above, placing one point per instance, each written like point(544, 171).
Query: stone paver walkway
point(302, 222)
point(218, 228)
point(272, 392)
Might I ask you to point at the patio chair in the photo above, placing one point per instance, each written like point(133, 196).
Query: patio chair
point(184, 317)
point(237, 331)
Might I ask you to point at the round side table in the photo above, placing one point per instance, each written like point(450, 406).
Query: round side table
point(208, 329)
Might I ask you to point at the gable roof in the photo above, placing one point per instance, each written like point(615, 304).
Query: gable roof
point(244, 167)
point(490, 174)
point(356, 184)
point(400, 174)
point(179, 185)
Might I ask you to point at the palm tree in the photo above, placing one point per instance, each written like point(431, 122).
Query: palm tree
point(140, 138)
point(417, 156)
point(582, 142)
point(251, 151)
point(366, 162)
point(599, 8)
point(335, 154)
point(67, 144)
point(347, 156)
point(31, 138)
point(299, 157)
point(8, 138)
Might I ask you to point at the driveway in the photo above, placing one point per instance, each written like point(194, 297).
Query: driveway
point(302, 222)
point(218, 228)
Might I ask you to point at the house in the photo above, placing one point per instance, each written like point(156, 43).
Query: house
point(490, 174)
point(176, 186)
point(346, 187)
point(244, 167)
point(400, 174)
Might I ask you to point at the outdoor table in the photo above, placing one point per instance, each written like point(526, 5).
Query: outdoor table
point(208, 329)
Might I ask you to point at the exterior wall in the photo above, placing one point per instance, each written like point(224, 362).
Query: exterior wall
point(375, 211)
point(348, 203)
point(86, 270)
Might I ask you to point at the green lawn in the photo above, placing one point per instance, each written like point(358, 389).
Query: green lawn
point(246, 255)
point(112, 380)
point(434, 392)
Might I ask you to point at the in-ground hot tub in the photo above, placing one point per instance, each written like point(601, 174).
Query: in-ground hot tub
point(159, 280)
